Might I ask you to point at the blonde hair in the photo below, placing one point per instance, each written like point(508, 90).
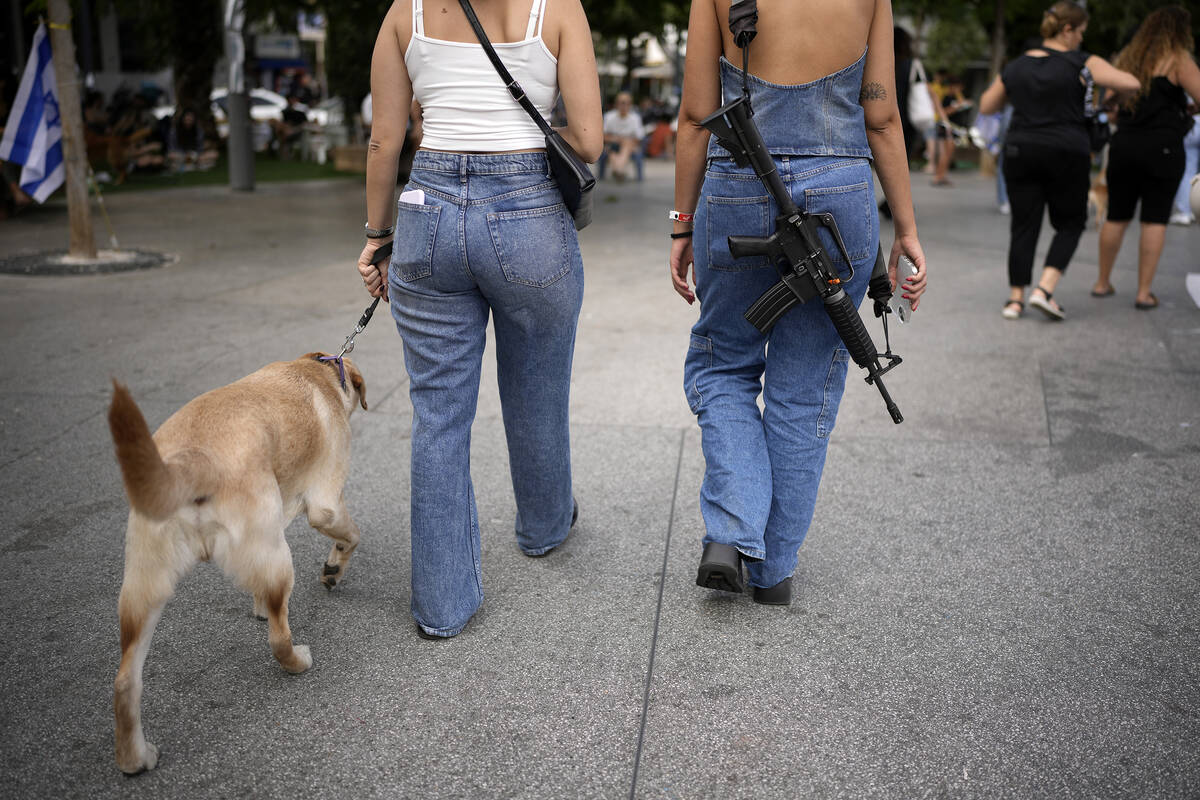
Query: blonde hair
point(1163, 35)
point(1060, 15)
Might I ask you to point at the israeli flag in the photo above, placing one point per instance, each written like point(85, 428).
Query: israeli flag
point(33, 133)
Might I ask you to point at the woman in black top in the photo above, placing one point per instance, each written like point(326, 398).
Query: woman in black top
point(1047, 159)
point(1146, 158)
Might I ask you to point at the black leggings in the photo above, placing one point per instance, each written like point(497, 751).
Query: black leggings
point(1039, 177)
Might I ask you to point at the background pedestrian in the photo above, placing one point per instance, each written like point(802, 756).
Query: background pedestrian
point(1047, 151)
point(480, 231)
point(1146, 158)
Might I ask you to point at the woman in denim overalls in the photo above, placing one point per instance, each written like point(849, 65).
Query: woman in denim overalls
point(823, 89)
point(481, 230)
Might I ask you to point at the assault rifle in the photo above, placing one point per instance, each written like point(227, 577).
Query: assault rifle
point(795, 248)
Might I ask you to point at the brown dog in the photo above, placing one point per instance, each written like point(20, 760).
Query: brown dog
point(220, 481)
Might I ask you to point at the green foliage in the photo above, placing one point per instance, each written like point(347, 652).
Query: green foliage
point(187, 35)
point(955, 41)
point(928, 9)
point(1112, 21)
point(351, 29)
point(614, 19)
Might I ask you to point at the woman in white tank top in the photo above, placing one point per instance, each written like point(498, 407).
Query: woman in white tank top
point(480, 231)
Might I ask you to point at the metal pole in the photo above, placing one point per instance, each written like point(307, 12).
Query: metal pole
point(241, 145)
point(83, 244)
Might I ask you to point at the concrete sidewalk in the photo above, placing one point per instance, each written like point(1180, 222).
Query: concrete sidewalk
point(998, 598)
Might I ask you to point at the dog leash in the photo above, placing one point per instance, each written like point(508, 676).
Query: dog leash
point(382, 252)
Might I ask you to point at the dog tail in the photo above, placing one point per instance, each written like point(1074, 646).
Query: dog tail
point(155, 488)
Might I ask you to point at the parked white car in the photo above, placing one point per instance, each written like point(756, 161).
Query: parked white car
point(265, 105)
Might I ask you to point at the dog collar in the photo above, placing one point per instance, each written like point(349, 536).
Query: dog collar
point(341, 367)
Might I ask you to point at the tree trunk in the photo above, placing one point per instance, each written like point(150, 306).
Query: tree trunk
point(999, 44)
point(70, 110)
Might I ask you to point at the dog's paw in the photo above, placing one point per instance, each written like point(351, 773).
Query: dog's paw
point(147, 762)
point(302, 660)
point(330, 574)
point(260, 608)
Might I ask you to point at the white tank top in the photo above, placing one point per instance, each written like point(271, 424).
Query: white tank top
point(464, 102)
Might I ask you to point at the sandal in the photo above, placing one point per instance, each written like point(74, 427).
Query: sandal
point(1107, 293)
point(1146, 306)
point(1013, 309)
point(1052, 310)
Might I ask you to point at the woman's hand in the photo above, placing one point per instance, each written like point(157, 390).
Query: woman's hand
point(681, 262)
point(914, 285)
point(374, 276)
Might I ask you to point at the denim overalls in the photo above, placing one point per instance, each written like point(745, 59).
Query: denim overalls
point(762, 469)
point(492, 236)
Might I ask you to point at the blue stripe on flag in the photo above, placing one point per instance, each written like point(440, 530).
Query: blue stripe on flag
point(31, 116)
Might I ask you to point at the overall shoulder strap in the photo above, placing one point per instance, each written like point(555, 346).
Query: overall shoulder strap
point(510, 82)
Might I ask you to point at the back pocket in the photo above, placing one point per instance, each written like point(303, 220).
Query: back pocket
point(853, 209)
point(736, 216)
point(416, 228)
point(531, 245)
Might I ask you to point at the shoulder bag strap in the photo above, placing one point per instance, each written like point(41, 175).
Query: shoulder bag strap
point(510, 82)
point(917, 70)
point(1089, 83)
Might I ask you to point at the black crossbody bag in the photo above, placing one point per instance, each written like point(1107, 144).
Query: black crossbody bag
point(574, 179)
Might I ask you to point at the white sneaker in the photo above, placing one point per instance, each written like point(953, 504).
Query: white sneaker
point(1181, 218)
point(1006, 209)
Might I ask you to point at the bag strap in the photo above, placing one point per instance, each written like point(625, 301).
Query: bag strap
point(510, 82)
point(917, 70)
point(1089, 83)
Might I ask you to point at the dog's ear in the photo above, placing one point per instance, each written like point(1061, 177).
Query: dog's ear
point(356, 380)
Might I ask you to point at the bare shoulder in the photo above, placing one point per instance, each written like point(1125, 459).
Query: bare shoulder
point(1178, 65)
point(562, 17)
point(398, 21)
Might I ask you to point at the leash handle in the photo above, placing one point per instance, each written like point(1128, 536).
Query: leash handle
point(383, 252)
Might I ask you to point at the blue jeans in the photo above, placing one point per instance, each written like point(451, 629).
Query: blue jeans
point(491, 237)
point(762, 469)
point(1191, 153)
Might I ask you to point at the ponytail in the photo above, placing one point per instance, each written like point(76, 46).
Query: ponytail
point(1060, 15)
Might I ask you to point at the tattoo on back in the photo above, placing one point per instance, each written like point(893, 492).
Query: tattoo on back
point(872, 91)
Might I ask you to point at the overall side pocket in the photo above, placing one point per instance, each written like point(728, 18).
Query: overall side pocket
point(532, 244)
point(835, 386)
point(698, 361)
point(416, 229)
